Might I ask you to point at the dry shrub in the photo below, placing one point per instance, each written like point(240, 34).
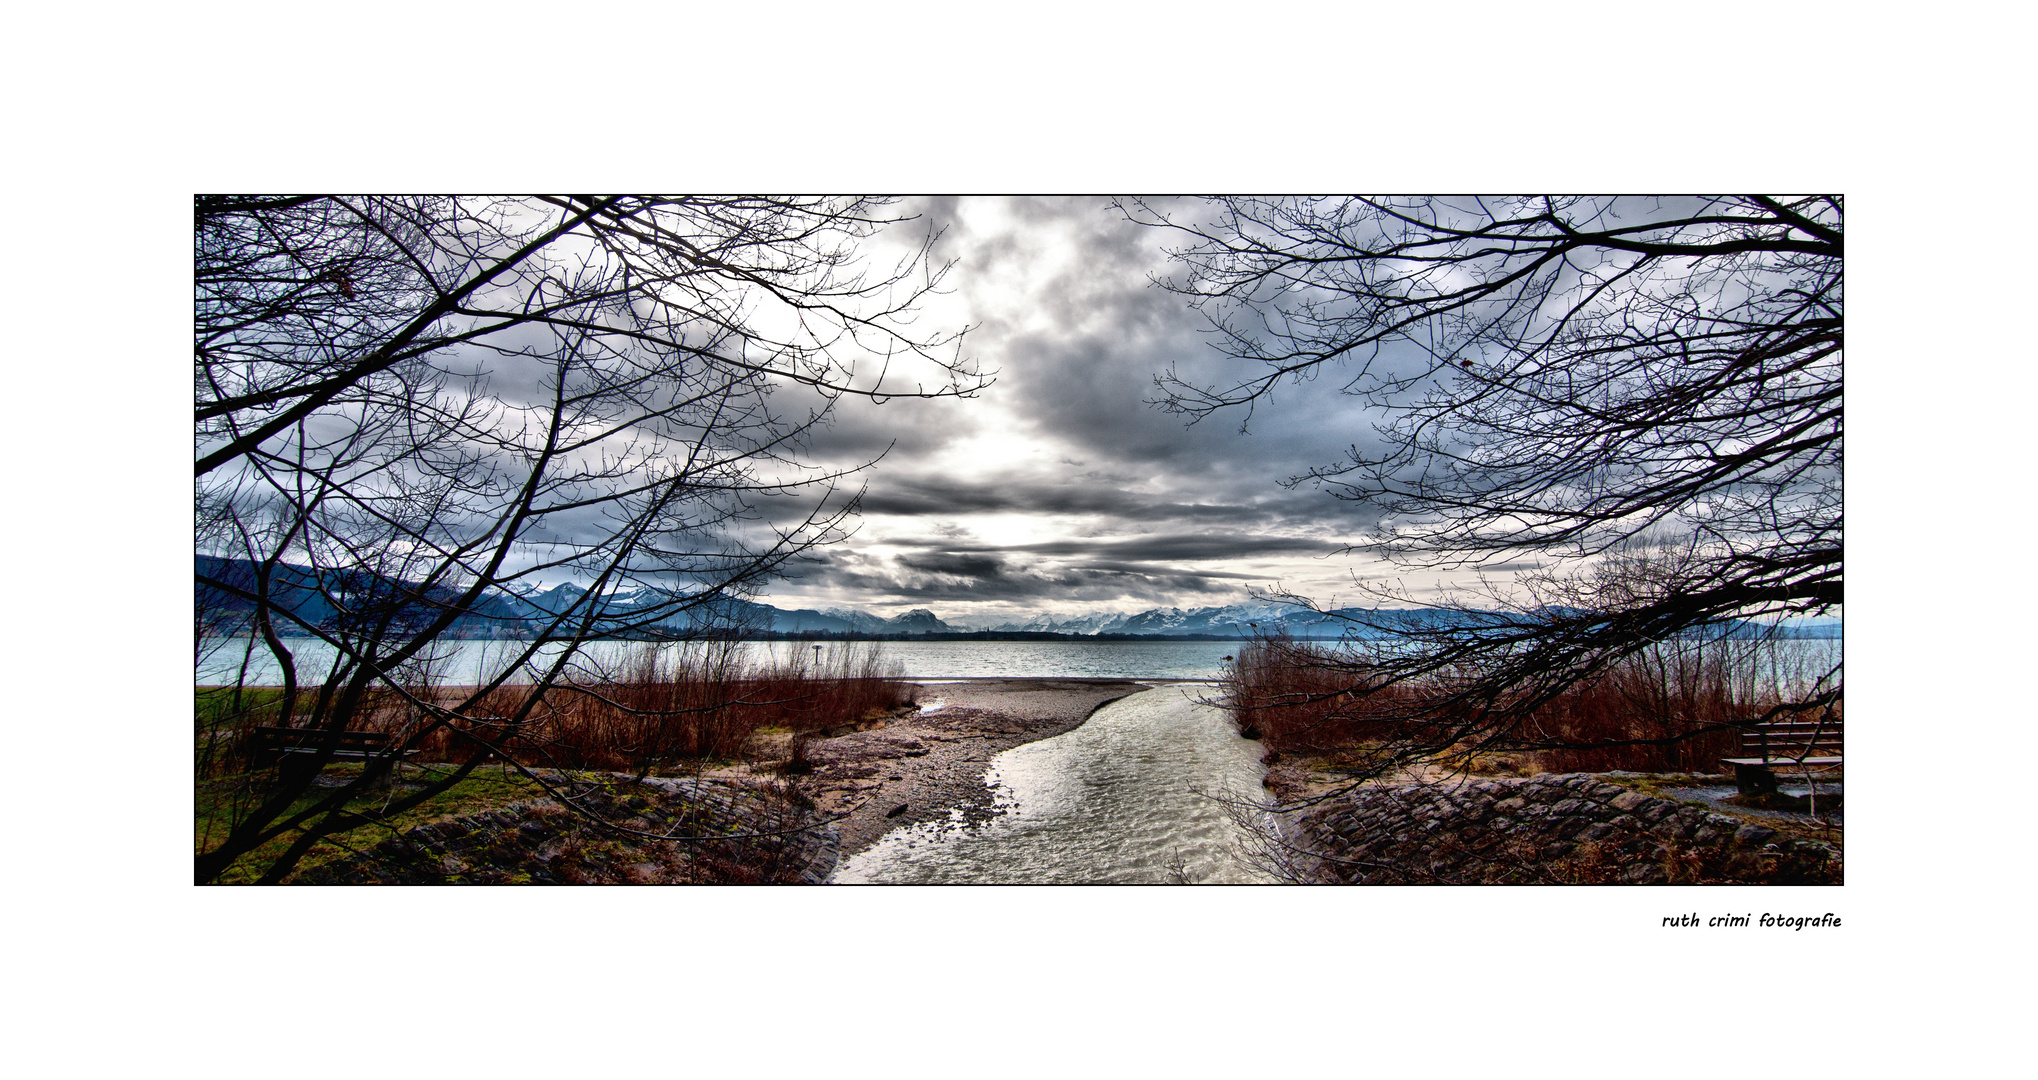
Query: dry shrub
point(663, 703)
point(1298, 697)
point(1673, 704)
point(1664, 709)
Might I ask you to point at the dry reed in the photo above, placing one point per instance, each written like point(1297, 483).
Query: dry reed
point(661, 704)
point(1668, 708)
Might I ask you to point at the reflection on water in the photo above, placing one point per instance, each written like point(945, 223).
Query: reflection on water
point(1127, 797)
point(1063, 659)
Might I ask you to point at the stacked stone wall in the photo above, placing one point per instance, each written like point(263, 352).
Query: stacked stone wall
point(726, 833)
point(1571, 828)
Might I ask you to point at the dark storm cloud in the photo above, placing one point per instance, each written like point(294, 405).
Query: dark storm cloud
point(1067, 315)
point(1210, 578)
point(1075, 356)
point(980, 567)
point(947, 577)
point(1185, 547)
point(1189, 547)
point(945, 497)
point(1089, 374)
point(1144, 567)
point(858, 430)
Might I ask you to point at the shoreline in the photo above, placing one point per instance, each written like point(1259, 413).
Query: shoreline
point(930, 765)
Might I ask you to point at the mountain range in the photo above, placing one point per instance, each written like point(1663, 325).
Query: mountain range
point(515, 615)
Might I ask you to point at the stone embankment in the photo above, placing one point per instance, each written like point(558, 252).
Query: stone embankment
point(701, 831)
point(1574, 828)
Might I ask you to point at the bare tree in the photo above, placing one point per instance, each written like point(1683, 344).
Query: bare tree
point(409, 410)
point(1558, 379)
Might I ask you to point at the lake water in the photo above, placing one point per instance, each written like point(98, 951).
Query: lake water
point(465, 662)
point(1141, 793)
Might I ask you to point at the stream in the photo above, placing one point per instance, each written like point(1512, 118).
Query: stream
point(1132, 796)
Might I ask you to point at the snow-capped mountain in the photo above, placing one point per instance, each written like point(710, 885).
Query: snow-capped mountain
point(1093, 623)
point(310, 596)
point(917, 621)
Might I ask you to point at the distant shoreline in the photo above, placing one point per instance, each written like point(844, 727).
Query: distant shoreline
point(1815, 633)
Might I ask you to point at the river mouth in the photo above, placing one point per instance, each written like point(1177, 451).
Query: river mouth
point(1142, 793)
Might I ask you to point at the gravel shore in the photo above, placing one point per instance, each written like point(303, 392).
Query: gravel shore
point(921, 767)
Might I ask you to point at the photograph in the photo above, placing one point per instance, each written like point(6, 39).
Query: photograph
point(1021, 478)
point(1406, 540)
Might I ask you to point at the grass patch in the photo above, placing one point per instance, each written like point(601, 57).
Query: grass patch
point(218, 798)
point(224, 706)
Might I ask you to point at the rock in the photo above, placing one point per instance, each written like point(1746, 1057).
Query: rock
point(897, 810)
point(1572, 827)
point(537, 840)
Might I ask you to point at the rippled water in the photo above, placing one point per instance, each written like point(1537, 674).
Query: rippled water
point(1128, 797)
point(1063, 659)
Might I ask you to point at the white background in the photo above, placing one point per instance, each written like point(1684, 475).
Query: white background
point(118, 966)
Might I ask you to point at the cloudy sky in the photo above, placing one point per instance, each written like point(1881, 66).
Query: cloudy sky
point(1060, 490)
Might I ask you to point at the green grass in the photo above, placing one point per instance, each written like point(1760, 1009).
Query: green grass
point(486, 788)
point(216, 707)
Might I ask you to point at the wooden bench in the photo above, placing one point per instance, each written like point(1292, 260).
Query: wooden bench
point(1784, 744)
point(297, 748)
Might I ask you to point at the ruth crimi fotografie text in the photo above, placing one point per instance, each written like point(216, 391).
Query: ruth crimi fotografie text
point(1766, 919)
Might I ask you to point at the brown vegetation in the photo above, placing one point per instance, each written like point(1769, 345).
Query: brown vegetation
point(657, 706)
point(665, 704)
point(1298, 698)
point(1671, 707)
